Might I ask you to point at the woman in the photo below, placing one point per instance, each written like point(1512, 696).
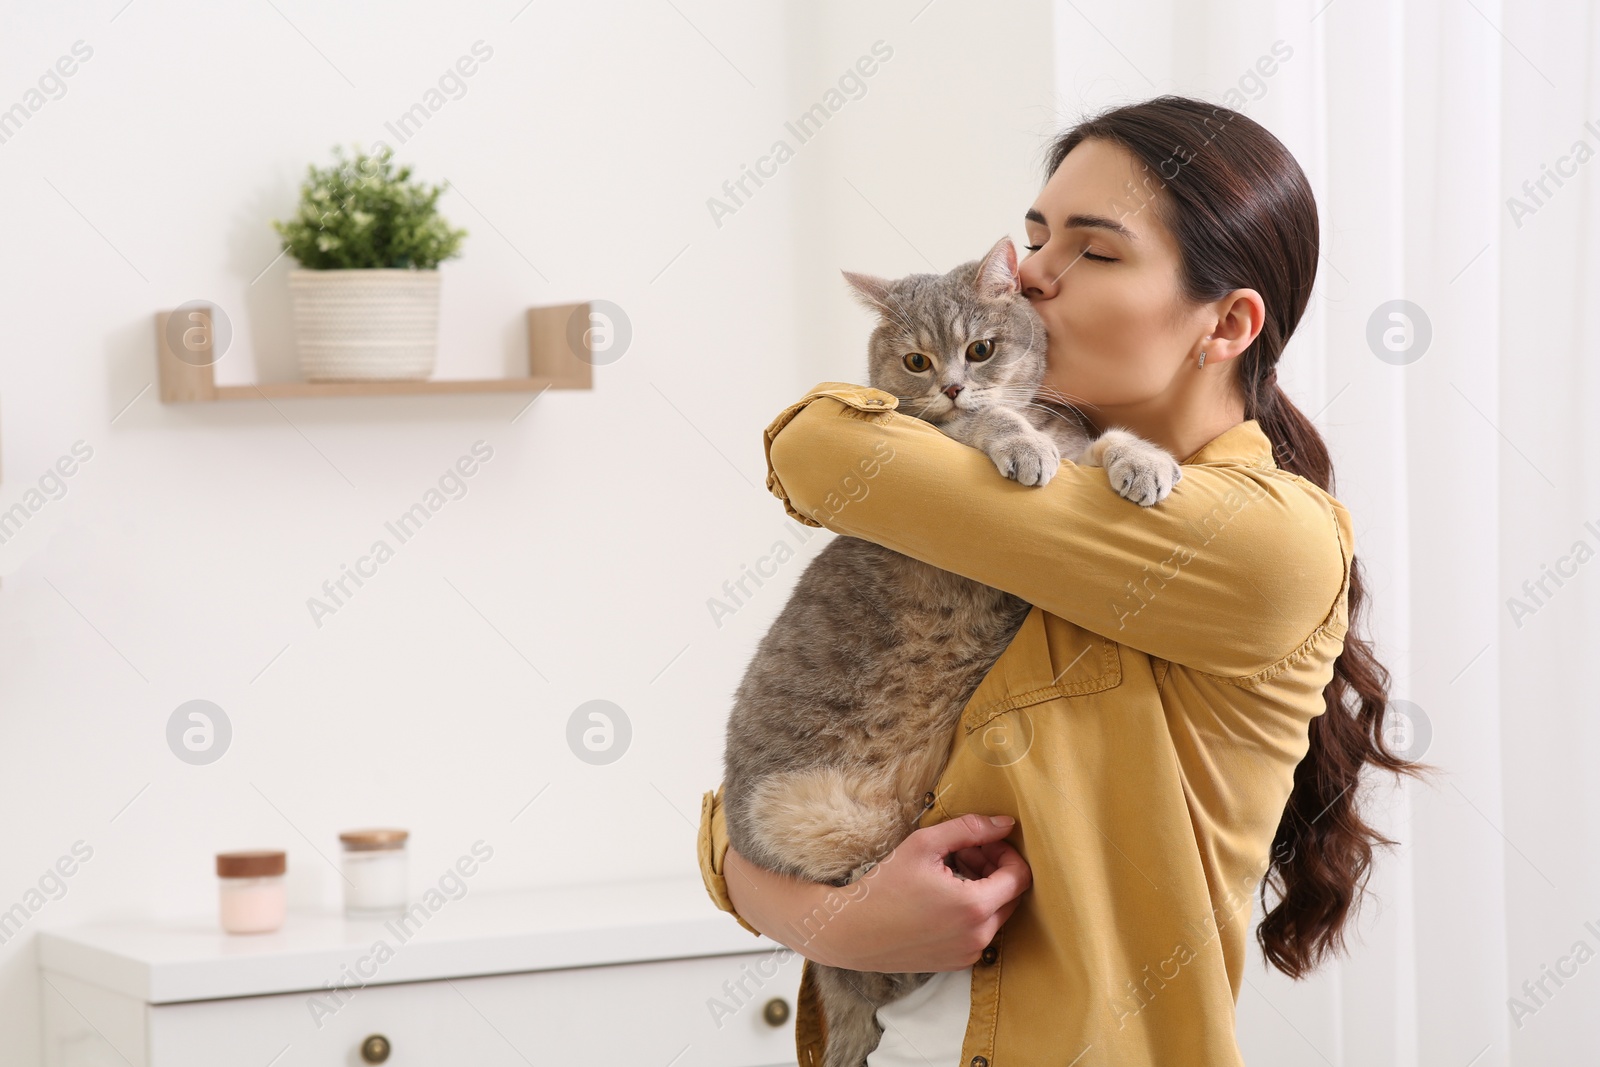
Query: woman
point(1184, 716)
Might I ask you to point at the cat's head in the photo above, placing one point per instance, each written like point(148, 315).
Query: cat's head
point(951, 343)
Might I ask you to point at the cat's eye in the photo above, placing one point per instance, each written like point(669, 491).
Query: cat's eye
point(917, 361)
point(978, 351)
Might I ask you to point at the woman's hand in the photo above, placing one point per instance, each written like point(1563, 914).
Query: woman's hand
point(911, 912)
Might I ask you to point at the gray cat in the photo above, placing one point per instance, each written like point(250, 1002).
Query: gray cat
point(843, 721)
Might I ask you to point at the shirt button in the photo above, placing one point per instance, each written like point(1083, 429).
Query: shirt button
point(990, 954)
point(928, 798)
point(980, 1061)
point(875, 403)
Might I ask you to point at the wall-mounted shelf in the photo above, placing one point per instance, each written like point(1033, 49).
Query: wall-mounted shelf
point(552, 364)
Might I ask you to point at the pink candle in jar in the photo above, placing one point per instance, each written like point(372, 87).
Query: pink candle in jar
point(252, 898)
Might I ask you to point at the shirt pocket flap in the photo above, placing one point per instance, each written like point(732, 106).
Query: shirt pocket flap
point(1049, 657)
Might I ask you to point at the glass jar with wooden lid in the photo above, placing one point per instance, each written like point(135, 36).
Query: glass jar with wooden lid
point(375, 872)
point(252, 898)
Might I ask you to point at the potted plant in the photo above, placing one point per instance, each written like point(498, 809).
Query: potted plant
point(369, 242)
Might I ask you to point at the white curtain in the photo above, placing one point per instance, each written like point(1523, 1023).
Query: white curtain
point(1471, 465)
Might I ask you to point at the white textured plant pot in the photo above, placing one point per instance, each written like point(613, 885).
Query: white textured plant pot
point(363, 325)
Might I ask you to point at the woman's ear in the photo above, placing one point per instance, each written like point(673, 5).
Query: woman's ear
point(1240, 316)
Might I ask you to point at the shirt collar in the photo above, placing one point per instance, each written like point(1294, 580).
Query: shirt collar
point(1245, 443)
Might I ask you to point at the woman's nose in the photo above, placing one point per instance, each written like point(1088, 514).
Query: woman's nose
point(1037, 284)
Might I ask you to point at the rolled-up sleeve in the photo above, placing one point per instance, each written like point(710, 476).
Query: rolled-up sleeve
point(1230, 574)
point(713, 846)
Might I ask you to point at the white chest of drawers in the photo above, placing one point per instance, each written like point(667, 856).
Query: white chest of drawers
point(644, 973)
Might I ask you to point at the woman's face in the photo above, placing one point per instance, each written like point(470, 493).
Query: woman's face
point(1102, 272)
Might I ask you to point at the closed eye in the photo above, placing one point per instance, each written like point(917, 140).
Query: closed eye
point(1086, 255)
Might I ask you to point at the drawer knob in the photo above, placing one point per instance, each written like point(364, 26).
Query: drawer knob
point(375, 1049)
point(776, 1011)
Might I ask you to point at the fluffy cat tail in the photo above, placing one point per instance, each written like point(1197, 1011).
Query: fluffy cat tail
point(826, 823)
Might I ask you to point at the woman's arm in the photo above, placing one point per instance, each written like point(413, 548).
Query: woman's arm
point(1229, 574)
point(909, 913)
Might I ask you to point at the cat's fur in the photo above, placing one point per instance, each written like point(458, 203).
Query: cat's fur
point(845, 715)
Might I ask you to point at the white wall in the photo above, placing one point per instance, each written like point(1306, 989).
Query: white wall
point(578, 566)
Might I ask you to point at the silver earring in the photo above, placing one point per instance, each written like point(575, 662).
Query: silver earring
point(1202, 362)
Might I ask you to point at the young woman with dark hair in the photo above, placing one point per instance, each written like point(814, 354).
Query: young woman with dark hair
point(1185, 716)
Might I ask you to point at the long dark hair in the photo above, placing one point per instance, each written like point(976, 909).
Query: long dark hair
point(1243, 216)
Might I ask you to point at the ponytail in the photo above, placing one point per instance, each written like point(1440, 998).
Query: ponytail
point(1322, 853)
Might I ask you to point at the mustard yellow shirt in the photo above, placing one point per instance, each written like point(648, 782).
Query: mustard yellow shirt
point(1142, 727)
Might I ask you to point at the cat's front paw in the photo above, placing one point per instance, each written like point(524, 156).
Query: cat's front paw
point(1140, 471)
point(1030, 459)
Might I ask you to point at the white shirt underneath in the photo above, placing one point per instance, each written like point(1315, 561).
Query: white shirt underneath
point(927, 1025)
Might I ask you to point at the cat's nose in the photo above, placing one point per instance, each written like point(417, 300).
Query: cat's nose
point(951, 390)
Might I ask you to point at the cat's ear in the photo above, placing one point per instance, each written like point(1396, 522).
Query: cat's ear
point(872, 291)
point(997, 272)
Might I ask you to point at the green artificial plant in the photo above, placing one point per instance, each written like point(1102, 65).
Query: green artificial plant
point(361, 213)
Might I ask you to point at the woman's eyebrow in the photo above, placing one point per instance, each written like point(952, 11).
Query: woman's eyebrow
point(1084, 222)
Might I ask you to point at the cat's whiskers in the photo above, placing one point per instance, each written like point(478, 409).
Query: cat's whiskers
point(1019, 396)
point(1046, 391)
point(1052, 393)
point(923, 400)
point(1015, 393)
